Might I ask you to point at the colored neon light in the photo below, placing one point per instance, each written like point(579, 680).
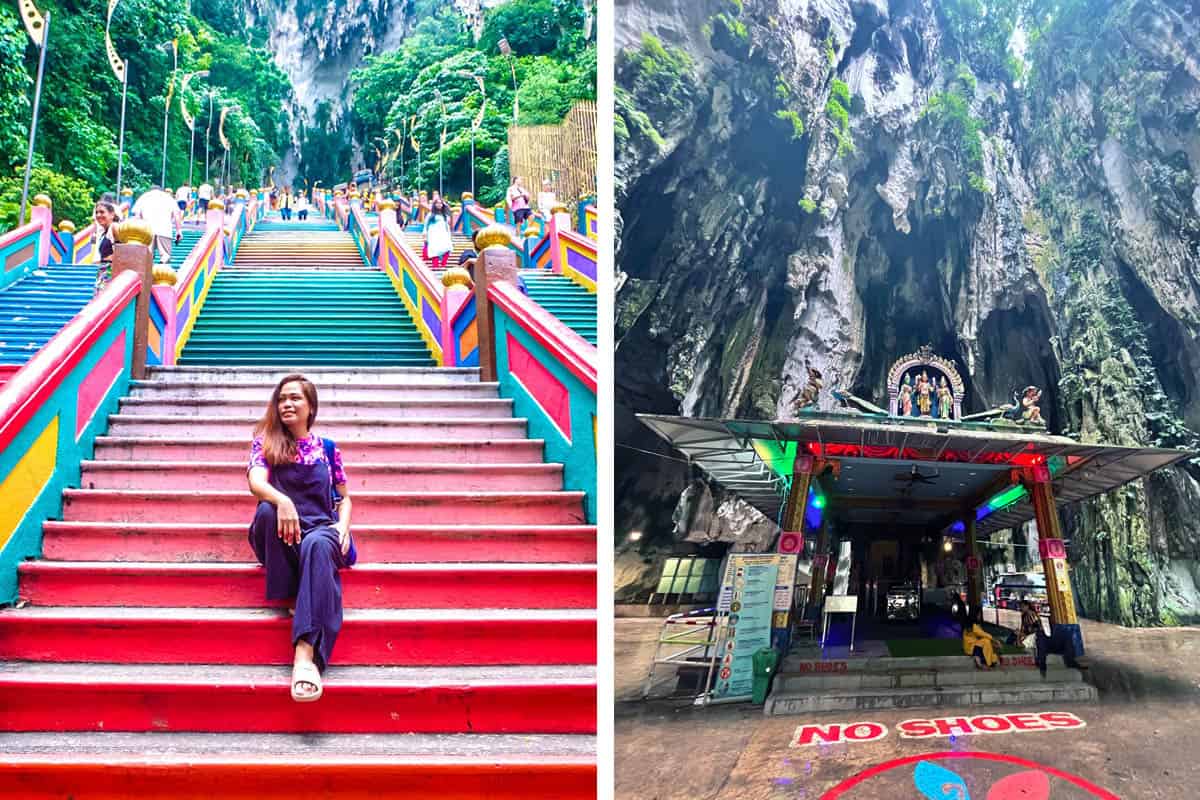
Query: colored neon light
point(998, 502)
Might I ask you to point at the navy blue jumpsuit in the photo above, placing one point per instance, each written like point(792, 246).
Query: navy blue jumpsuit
point(307, 571)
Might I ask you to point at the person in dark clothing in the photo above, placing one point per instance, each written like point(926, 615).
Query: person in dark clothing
point(105, 216)
point(298, 534)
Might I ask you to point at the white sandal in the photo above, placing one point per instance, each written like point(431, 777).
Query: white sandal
point(306, 673)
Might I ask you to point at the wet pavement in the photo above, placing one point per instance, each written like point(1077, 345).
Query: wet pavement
point(1139, 741)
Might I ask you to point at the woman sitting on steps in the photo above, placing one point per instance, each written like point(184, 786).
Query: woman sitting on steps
point(298, 534)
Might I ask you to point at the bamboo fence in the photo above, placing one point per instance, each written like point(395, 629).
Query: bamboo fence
point(564, 153)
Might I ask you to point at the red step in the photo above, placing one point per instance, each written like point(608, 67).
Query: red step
point(263, 636)
point(7, 371)
point(231, 476)
point(369, 508)
point(87, 583)
point(237, 448)
point(240, 699)
point(169, 541)
point(260, 391)
point(186, 766)
point(449, 408)
point(373, 429)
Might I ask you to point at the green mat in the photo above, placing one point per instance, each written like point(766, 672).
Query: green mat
point(930, 648)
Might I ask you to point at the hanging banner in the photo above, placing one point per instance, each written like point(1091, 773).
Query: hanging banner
point(183, 109)
point(118, 66)
point(412, 133)
point(35, 25)
point(748, 595)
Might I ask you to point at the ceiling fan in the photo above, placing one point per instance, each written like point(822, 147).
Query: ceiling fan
point(915, 475)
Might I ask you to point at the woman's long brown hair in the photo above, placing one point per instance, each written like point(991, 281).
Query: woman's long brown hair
point(279, 446)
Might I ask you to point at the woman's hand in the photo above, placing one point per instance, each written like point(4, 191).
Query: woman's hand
point(289, 521)
point(343, 531)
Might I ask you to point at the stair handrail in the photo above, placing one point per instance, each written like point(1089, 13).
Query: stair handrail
point(547, 369)
point(434, 309)
point(589, 220)
point(195, 278)
point(83, 250)
point(360, 232)
point(573, 255)
point(27, 247)
point(52, 409)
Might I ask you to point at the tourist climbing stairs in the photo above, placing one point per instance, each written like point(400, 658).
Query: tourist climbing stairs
point(190, 236)
point(36, 307)
point(416, 242)
point(143, 656)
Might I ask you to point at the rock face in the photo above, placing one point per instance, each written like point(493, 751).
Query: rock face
point(317, 44)
point(842, 182)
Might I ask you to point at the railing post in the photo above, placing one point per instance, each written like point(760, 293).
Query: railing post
point(66, 234)
point(42, 213)
point(497, 263)
point(132, 252)
point(560, 220)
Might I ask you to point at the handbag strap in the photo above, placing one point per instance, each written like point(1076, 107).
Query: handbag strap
point(329, 448)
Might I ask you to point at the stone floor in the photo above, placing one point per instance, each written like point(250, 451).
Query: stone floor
point(1139, 740)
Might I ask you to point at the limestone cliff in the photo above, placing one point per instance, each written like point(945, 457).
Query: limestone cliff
point(842, 181)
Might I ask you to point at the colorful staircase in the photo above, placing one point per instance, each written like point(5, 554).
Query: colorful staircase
point(469, 642)
point(36, 307)
point(144, 660)
point(191, 236)
point(565, 299)
point(292, 299)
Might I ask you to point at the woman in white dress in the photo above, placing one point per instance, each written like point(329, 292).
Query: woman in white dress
point(438, 240)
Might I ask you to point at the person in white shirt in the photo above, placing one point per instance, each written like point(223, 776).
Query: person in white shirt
point(301, 206)
point(182, 195)
point(159, 209)
point(546, 199)
point(204, 193)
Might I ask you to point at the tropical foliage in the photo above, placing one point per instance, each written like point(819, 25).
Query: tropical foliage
point(79, 125)
point(416, 106)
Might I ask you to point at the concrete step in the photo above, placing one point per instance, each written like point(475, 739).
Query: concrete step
point(918, 678)
point(381, 544)
point(338, 429)
point(951, 697)
point(164, 390)
point(263, 766)
point(241, 585)
point(370, 508)
point(200, 449)
point(231, 476)
point(427, 637)
point(320, 375)
point(482, 408)
point(241, 699)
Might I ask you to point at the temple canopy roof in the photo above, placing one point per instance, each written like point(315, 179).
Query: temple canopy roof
point(910, 471)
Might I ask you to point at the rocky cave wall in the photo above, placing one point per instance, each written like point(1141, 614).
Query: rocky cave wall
point(1034, 219)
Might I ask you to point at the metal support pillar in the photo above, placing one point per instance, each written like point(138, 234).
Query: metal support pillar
point(1063, 620)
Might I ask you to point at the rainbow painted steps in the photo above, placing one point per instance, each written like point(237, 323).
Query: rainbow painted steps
point(190, 237)
point(35, 308)
point(572, 304)
point(304, 317)
point(313, 244)
point(468, 649)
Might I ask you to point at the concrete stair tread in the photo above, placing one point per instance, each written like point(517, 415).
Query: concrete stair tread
point(231, 674)
point(99, 615)
point(190, 748)
point(243, 496)
point(134, 568)
point(956, 697)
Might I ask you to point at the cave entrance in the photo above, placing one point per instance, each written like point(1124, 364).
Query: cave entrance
point(883, 518)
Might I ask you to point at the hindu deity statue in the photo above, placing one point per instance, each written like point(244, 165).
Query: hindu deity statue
point(811, 392)
point(924, 394)
point(945, 399)
point(906, 396)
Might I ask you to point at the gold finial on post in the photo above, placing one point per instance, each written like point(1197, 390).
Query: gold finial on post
point(216, 205)
point(492, 236)
point(133, 231)
point(43, 200)
point(455, 277)
point(66, 226)
point(164, 275)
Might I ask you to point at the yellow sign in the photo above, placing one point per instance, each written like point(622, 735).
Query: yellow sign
point(35, 25)
point(118, 66)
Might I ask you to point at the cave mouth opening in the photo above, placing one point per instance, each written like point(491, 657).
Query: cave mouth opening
point(1170, 346)
point(1016, 352)
point(905, 304)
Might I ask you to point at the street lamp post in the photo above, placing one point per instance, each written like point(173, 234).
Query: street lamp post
point(441, 141)
point(39, 31)
point(167, 108)
point(121, 138)
point(475, 123)
point(208, 134)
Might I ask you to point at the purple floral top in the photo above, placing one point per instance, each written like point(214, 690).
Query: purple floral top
point(308, 451)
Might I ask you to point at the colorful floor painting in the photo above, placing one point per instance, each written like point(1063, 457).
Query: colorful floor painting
point(966, 775)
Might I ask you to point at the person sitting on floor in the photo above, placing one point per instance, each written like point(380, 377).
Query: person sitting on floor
point(979, 644)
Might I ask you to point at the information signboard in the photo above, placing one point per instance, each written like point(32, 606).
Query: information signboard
point(749, 588)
